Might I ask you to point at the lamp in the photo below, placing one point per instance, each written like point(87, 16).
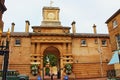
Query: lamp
point(4, 51)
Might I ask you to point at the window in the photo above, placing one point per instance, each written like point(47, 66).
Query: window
point(118, 41)
point(83, 42)
point(104, 42)
point(17, 42)
point(118, 38)
point(96, 41)
point(115, 24)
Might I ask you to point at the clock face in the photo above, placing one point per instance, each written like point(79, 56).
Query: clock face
point(51, 16)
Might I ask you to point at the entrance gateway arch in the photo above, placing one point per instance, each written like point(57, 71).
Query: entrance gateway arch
point(51, 61)
point(60, 50)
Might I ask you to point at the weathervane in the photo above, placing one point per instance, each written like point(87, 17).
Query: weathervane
point(51, 2)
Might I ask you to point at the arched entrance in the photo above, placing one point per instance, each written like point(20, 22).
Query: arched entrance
point(51, 62)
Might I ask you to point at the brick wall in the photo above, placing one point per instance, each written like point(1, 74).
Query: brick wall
point(90, 70)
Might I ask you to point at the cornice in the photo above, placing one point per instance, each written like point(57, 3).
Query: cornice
point(77, 35)
point(114, 15)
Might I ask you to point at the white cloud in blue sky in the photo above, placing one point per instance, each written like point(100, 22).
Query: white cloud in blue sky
point(84, 12)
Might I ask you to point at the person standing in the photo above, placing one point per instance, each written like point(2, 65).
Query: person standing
point(52, 76)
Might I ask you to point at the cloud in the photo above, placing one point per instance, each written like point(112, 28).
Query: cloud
point(84, 12)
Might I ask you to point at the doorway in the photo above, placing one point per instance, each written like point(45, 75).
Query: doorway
point(51, 62)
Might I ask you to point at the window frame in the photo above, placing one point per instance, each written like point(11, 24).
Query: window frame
point(83, 43)
point(117, 37)
point(104, 44)
point(17, 43)
point(114, 23)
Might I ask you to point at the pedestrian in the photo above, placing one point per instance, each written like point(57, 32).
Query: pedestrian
point(58, 74)
point(52, 76)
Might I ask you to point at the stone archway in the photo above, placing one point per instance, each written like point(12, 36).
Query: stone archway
point(51, 61)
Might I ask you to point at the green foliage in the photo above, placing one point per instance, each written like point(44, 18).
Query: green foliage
point(68, 68)
point(47, 71)
point(34, 69)
point(52, 59)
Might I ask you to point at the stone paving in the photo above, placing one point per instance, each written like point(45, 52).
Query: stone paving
point(82, 79)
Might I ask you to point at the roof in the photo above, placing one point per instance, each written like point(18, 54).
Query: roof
point(18, 34)
point(51, 27)
point(91, 35)
point(51, 8)
point(115, 14)
point(77, 35)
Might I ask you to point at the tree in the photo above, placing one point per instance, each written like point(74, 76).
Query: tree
point(50, 58)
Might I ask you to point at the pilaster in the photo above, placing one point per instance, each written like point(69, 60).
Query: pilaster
point(64, 48)
point(61, 65)
point(38, 48)
point(33, 48)
point(69, 48)
point(41, 68)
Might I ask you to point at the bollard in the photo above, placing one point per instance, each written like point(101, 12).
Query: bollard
point(66, 77)
point(39, 78)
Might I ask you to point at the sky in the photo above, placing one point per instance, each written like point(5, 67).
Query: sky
point(84, 12)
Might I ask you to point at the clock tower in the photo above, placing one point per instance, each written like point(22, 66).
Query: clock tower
point(51, 16)
point(51, 23)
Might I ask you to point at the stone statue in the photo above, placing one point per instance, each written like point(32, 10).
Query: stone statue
point(51, 2)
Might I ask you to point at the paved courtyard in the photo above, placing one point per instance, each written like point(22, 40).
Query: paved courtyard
point(83, 79)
